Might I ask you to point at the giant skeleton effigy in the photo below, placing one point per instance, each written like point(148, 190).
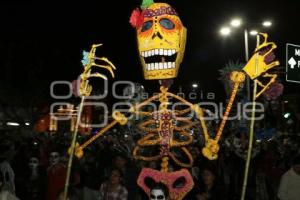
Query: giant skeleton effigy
point(161, 40)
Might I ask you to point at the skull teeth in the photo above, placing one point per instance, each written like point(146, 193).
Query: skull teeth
point(163, 52)
point(160, 66)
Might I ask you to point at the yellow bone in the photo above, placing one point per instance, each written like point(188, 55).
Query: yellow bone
point(211, 149)
point(85, 88)
point(259, 60)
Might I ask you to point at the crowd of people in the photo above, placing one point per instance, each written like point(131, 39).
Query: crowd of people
point(36, 169)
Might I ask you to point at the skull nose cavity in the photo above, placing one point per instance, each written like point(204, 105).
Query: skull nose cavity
point(157, 34)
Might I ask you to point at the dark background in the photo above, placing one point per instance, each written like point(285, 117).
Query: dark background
point(43, 42)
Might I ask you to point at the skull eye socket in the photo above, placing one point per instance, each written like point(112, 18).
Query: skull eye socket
point(167, 24)
point(159, 197)
point(54, 155)
point(179, 182)
point(146, 26)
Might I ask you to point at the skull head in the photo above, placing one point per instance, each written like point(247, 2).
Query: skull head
point(161, 41)
point(157, 194)
point(33, 163)
point(54, 158)
point(165, 185)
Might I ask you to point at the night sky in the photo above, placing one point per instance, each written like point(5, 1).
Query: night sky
point(41, 43)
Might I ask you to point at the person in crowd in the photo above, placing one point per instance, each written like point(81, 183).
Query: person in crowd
point(7, 153)
point(130, 173)
point(112, 189)
point(9, 176)
point(159, 192)
point(56, 175)
point(290, 182)
point(35, 180)
point(91, 171)
point(209, 187)
point(5, 194)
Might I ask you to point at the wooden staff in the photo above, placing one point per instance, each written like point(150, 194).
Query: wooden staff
point(72, 149)
point(85, 90)
point(251, 134)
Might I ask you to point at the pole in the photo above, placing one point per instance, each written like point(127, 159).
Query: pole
point(246, 59)
point(73, 144)
point(251, 134)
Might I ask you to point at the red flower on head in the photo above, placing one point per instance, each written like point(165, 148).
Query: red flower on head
point(136, 18)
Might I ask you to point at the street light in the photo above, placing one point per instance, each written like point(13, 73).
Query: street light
point(237, 22)
point(287, 115)
point(12, 124)
point(225, 31)
point(253, 32)
point(195, 85)
point(267, 23)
